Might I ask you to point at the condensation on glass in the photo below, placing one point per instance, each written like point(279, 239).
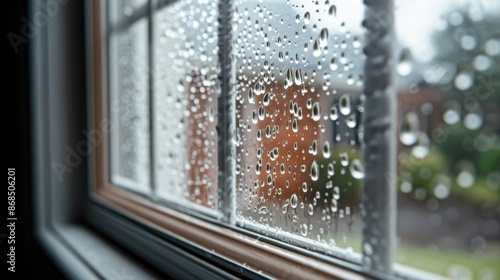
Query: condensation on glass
point(121, 10)
point(299, 81)
point(185, 102)
point(129, 108)
point(448, 160)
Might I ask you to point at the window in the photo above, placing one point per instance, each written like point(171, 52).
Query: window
point(334, 137)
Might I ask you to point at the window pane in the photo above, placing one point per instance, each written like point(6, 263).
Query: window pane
point(299, 79)
point(449, 145)
point(186, 90)
point(129, 108)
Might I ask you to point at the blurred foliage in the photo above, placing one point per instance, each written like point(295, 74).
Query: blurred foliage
point(441, 161)
point(479, 148)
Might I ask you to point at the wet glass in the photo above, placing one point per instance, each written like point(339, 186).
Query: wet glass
point(129, 108)
point(298, 131)
point(185, 103)
point(123, 10)
point(448, 159)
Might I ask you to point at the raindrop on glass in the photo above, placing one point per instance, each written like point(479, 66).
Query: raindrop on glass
point(294, 200)
point(332, 11)
point(316, 112)
point(409, 129)
point(326, 149)
point(334, 114)
point(344, 159)
point(345, 104)
point(404, 66)
point(314, 171)
point(357, 170)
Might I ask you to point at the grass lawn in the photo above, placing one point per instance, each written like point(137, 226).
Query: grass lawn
point(480, 266)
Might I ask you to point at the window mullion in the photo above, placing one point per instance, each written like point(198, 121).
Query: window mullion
point(152, 115)
point(226, 113)
point(379, 147)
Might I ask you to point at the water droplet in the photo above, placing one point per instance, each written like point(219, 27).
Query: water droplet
point(344, 159)
point(343, 58)
point(310, 209)
point(334, 114)
point(266, 98)
point(263, 210)
point(334, 207)
point(268, 131)
point(330, 169)
point(482, 63)
point(295, 108)
point(262, 112)
point(254, 116)
point(473, 121)
point(329, 185)
point(259, 87)
point(295, 125)
point(336, 193)
point(326, 149)
point(250, 96)
point(357, 170)
point(492, 47)
point(298, 77)
point(294, 200)
point(406, 187)
point(451, 116)
point(465, 179)
point(345, 104)
point(441, 191)
point(289, 78)
point(323, 37)
point(316, 48)
point(316, 114)
point(314, 171)
point(333, 64)
point(467, 42)
point(409, 129)
point(211, 113)
point(307, 17)
point(422, 147)
point(332, 11)
point(405, 64)
point(464, 80)
point(314, 147)
point(356, 43)
point(284, 209)
point(303, 229)
point(304, 187)
point(442, 187)
point(351, 121)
